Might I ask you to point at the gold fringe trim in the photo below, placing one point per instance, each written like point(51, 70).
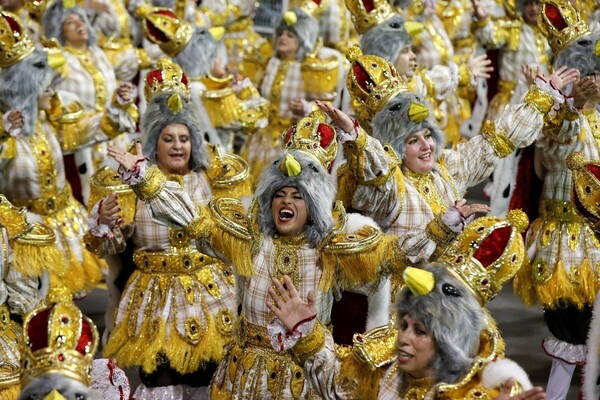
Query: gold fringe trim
point(183, 356)
point(82, 276)
point(364, 381)
point(11, 392)
point(33, 260)
point(578, 287)
point(236, 249)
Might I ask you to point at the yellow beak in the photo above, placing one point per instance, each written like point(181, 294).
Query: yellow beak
point(290, 18)
point(413, 28)
point(418, 112)
point(290, 166)
point(54, 395)
point(419, 281)
point(217, 32)
point(597, 48)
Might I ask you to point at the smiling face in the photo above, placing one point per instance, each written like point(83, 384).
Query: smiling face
point(532, 11)
point(416, 348)
point(173, 149)
point(75, 31)
point(420, 152)
point(287, 45)
point(406, 63)
point(289, 212)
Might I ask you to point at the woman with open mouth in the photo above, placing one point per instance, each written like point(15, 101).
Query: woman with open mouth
point(292, 228)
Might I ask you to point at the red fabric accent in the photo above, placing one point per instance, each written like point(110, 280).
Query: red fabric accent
point(528, 187)
point(13, 24)
point(594, 169)
point(86, 337)
point(327, 134)
point(155, 32)
point(368, 4)
point(303, 321)
point(554, 16)
point(156, 74)
point(73, 177)
point(288, 134)
point(37, 330)
point(492, 247)
point(362, 78)
point(184, 79)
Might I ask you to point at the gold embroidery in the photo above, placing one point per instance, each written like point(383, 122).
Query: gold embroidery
point(438, 43)
point(99, 84)
point(275, 97)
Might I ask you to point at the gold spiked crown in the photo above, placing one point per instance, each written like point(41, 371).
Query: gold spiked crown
point(163, 27)
point(586, 186)
point(488, 253)
point(59, 339)
point(15, 44)
point(372, 81)
point(561, 24)
point(314, 8)
point(312, 135)
point(167, 77)
point(368, 13)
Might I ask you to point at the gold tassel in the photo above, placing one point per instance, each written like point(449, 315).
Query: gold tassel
point(222, 106)
point(523, 285)
point(236, 249)
point(367, 381)
point(33, 260)
point(10, 392)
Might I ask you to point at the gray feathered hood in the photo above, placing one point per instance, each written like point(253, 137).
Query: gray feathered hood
point(54, 18)
point(306, 28)
point(387, 39)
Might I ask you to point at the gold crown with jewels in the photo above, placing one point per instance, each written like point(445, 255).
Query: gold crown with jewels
point(561, 24)
point(167, 77)
point(163, 27)
point(366, 14)
point(15, 44)
point(586, 185)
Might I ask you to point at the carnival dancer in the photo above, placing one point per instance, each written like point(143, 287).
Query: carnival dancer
point(33, 173)
point(290, 229)
point(178, 309)
point(563, 250)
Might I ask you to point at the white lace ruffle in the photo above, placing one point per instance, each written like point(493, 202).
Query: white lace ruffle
point(281, 339)
point(159, 393)
point(567, 352)
point(109, 381)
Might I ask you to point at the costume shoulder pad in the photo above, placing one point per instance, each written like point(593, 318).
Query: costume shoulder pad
point(230, 216)
point(228, 174)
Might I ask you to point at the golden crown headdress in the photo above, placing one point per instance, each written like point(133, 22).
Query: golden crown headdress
point(561, 24)
point(365, 14)
point(586, 186)
point(372, 81)
point(167, 77)
point(314, 8)
point(59, 339)
point(312, 135)
point(488, 253)
point(163, 27)
point(36, 8)
point(15, 44)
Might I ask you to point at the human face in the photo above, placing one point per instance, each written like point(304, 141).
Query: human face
point(287, 45)
point(532, 12)
point(416, 348)
point(406, 63)
point(11, 5)
point(420, 152)
point(289, 212)
point(75, 31)
point(173, 149)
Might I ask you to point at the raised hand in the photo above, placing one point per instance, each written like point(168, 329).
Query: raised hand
point(466, 210)
point(479, 8)
point(536, 393)
point(16, 119)
point(109, 210)
point(338, 117)
point(125, 91)
point(297, 107)
point(563, 76)
point(531, 72)
point(480, 66)
point(126, 159)
point(287, 305)
point(584, 90)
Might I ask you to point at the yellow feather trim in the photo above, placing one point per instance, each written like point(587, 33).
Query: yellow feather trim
point(82, 276)
point(237, 250)
point(33, 260)
point(11, 392)
point(183, 356)
point(358, 376)
point(577, 287)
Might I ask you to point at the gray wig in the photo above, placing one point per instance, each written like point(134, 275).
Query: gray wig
point(316, 187)
point(70, 388)
point(392, 124)
point(387, 39)
point(197, 58)
point(54, 18)
point(453, 316)
point(581, 55)
point(158, 115)
point(306, 29)
point(22, 83)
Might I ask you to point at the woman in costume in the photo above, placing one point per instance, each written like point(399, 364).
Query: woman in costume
point(447, 346)
point(31, 162)
point(290, 229)
point(177, 310)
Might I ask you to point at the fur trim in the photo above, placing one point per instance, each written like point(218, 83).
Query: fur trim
point(22, 83)
point(393, 126)
point(591, 371)
point(455, 322)
point(581, 55)
point(316, 187)
point(54, 18)
point(354, 222)
point(198, 56)
point(44, 384)
point(496, 373)
point(387, 39)
point(306, 29)
point(158, 115)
